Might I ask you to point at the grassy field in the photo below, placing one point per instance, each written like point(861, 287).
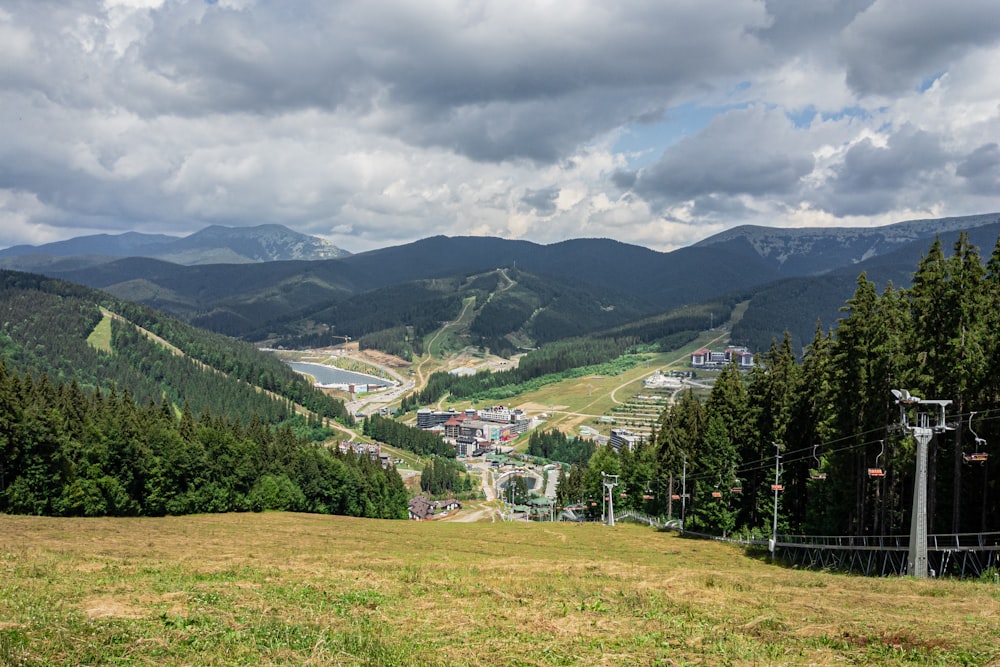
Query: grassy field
point(100, 337)
point(580, 400)
point(267, 589)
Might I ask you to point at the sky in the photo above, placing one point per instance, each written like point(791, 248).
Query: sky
point(373, 123)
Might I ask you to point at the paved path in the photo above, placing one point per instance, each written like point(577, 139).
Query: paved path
point(678, 360)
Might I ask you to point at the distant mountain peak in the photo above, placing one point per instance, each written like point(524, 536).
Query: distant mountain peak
point(261, 243)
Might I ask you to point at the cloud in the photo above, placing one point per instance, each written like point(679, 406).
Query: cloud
point(872, 177)
point(381, 121)
point(542, 202)
point(981, 169)
point(753, 151)
point(894, 45)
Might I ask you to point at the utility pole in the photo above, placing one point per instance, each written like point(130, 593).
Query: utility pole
point(684, 494)
point(776, 487)
point(922, 431)
point(610, 482)
point(670, 497)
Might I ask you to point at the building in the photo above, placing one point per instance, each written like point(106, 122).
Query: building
point(427, 418)
point(453, 425)
point(621, 437)
point(705, 358)
point(422, 509)
point(496, 413)
point(374, 452)
point(516, 421)
point(488, 432)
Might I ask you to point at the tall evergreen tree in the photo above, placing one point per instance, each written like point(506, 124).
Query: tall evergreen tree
point(713, 506)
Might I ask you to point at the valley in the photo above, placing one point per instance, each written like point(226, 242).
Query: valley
point(582, 362)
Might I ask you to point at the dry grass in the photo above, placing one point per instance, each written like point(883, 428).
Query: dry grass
point(302, 589)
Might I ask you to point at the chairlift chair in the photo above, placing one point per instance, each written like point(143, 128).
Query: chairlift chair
point(816, 474)
point(877, 471)
point(978, 456)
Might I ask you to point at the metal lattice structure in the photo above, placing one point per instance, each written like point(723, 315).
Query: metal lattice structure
point(962, 555)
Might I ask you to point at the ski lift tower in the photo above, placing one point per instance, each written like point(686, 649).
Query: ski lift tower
point(923, 430)
point(610, 482)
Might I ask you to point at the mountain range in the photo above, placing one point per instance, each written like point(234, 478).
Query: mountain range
point(521, 293)
point(212, 245)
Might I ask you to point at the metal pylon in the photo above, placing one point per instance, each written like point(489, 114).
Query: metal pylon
point(916, 562)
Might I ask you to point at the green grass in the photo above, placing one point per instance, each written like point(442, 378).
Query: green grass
point(100, 337)
point(267, 589)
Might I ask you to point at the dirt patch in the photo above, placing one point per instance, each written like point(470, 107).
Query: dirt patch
point(382, 359)
point(106, 606)
point(109, 606)
point(538, 407)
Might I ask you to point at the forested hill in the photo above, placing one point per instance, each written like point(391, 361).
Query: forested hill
point(58, 330)
point(846, 467)
point(68, 452)
point(796, 304)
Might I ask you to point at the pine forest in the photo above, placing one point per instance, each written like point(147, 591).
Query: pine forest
point(846, 466)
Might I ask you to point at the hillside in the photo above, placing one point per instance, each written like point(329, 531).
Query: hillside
point(388, 294)
point(280, 588)
point(49, 330)
point(814, 251)
point(797, 304)
point(512, 309)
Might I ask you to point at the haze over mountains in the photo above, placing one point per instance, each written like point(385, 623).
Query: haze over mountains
point(793, 277)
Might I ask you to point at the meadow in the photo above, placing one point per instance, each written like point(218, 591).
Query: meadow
point(273, 588)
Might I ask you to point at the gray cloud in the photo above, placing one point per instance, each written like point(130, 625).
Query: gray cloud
point(488, 81)
point(797, 26)
point(872, 178)
point(543, 201)
point(363, 120)
point(981, 169)
point(895, 44)
point(746, 151)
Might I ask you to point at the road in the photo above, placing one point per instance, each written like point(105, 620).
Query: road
point(419, 370)
point(678, 360)
point(380, 397)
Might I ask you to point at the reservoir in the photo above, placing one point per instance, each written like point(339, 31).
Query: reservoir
point(328, 375)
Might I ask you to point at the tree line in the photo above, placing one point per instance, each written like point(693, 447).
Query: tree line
point(401, 436)
point(444, 476)
point(846, 467)
point(66, 451)
point(555, 445)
